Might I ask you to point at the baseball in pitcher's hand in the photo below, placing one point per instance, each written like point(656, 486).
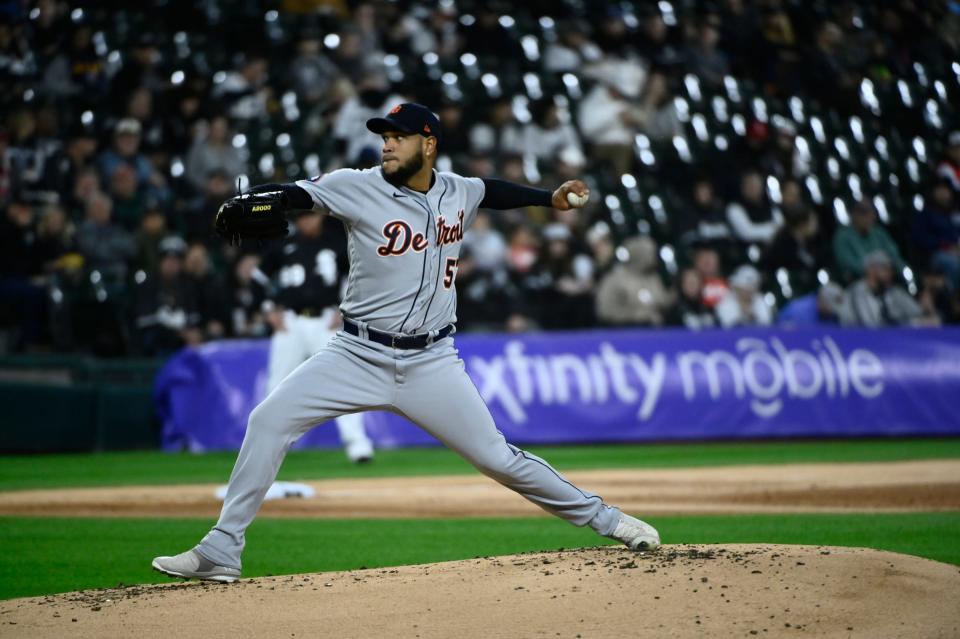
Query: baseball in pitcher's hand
point(561, 200)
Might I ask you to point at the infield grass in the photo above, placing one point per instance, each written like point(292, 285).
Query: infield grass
point(47, 555)
point(157, 468)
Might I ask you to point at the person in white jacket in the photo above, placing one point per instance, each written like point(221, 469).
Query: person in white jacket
point(743, 304)
point(606, 116)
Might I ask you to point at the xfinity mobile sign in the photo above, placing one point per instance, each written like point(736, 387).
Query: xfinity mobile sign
point(762, 372)
point(627, 385)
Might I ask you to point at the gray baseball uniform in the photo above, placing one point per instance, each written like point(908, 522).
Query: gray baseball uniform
point(403, 250)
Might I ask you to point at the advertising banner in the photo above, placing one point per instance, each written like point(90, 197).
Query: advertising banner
point(628, 385)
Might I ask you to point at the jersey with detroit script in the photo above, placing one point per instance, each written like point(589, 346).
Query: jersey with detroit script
point(403, 245)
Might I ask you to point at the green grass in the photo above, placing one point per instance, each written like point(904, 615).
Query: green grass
point(108, 469)
point(47, 555)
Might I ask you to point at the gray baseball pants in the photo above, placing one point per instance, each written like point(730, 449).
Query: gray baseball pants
point(430, 387)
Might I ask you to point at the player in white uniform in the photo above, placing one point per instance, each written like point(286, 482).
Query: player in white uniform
point(307, 270)
point(405, 224)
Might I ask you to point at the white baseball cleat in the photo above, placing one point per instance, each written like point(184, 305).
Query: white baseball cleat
point(193, 565)
point(360, 452)
point(635, 534)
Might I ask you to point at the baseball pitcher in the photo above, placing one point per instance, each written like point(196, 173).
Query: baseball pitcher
point(405, 223)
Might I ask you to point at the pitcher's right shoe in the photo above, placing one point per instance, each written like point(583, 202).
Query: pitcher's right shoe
point(635, 534)
point(193, 565)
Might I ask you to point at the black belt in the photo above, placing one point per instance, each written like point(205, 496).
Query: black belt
point(396, 341)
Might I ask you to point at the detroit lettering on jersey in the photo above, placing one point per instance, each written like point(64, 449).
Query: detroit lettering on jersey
point(401, 245)
point(401, 237)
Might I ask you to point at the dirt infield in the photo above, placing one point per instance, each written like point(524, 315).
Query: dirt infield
point(679, 592)
point(874, 487)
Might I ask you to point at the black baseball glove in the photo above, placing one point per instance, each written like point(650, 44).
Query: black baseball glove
point(260, 215)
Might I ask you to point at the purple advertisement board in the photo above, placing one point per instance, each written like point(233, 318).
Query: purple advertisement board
point(627, 385)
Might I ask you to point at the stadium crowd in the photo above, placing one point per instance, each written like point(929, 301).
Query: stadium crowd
point(750, 162)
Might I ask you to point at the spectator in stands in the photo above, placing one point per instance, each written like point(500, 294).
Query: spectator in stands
point(776, 55)
point(936, 232)
point(658, 44)
point(197, 218)
point(312, 74)
point(826, 75)
point(739, 35)
point(607, 117)
point(153, 228)
point(499, 133)
point(657, 115)
point(792, 201)
point(140, 108)
point(209, 290)
point(166, 308)
point(797, 247)
point(937, 297)
point(25, 154)
point(949, 167)
point(17, 60)
point(602, 249)
point(706, 220)
point(748, 151)
point(54, 239)
point(690, 311)
point(126, 150)
point(562, 281)
point(547, 135)
point(783, 158)
point(77, 70)
point(706, 261)
point(456, 139)
point(486, 299)
point(633, 293)
point(571, 50)
point(246, 297)
point(180, 122)
point(85, 185)
point(819, 307)
point(373, 98)
point(614, 35)
point(703, 59)
point(245, 92)
point(876, 300)
point(487, 246)
point(355, 60)
point(129, 203)
point(62, 167)
point(851, 244)
point(106, 248)
point(212, 150)
point(141, 67)
point(751, 217)
point(743, 304)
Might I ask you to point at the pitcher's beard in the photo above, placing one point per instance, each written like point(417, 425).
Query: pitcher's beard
point(405, 171)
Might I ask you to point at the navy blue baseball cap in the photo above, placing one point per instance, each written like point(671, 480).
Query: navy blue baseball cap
point(408, 117)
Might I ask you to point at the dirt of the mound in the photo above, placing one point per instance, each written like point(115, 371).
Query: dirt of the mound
point(679, 592)
point(888, 486)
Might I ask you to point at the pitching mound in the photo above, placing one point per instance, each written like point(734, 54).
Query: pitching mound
point(680, 591)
